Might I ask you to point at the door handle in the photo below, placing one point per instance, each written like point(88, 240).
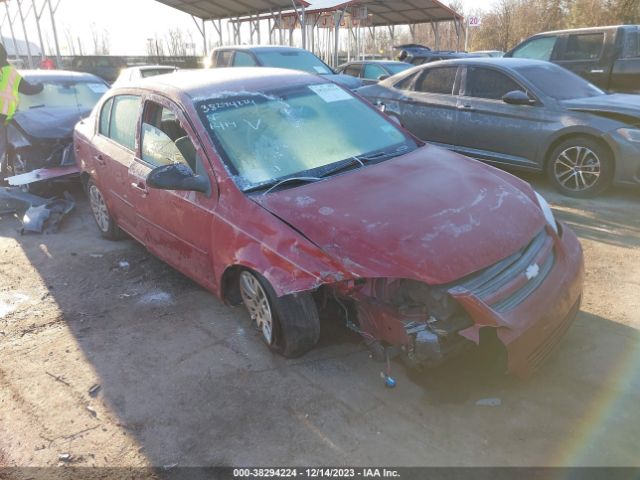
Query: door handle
point(100, 159)
point(466, 108)
point(140, 186)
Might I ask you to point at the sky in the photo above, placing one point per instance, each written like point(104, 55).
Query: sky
point(129, 23)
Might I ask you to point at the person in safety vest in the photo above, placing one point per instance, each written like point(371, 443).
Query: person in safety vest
point(11, 85)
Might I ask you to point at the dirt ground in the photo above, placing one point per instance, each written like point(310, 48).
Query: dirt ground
point(185, 380)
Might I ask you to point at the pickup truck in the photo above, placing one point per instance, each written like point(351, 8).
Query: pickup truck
point(608, 57)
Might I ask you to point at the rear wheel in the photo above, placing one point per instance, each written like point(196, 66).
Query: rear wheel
point(105, 222)
point(580, 167)
point(289, 325)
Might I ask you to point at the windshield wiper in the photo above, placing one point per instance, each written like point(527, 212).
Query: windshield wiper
point(36, 106)
point(362, 159)
point(273, 185)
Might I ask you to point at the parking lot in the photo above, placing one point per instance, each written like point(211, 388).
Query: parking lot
point(186, 380)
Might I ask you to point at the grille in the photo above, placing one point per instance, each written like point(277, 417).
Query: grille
point(505, 285)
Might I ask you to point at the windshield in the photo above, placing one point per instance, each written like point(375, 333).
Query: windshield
point(397, 67)
point(82, 95)
point(558, 83)
point(296, 131)
point(293, 60)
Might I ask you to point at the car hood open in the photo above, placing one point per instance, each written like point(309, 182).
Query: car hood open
point(430, 215)
point(621, 103)
point(50, 122)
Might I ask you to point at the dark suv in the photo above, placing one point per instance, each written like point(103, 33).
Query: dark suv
point(606, 56)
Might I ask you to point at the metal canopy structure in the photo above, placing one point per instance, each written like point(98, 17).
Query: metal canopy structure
point(392, 12)
point(224, 9)
point(36, 8)
point(354, 16)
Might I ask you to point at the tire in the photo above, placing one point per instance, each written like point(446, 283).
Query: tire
point(580, 167)
point(106, 224)
point(289, 325)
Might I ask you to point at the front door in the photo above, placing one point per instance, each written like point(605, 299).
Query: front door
point(585, 55)
point(492, 130)
point(177, 224)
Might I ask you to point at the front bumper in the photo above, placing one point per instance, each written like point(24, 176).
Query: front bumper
point(532, 330)
point(627, 159)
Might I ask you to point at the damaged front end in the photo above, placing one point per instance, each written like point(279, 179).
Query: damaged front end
point(403, 317)
point(40, 147)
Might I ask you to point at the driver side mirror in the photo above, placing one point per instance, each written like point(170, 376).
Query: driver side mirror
point(518, 97)
point(382, 77)
point(177, 176)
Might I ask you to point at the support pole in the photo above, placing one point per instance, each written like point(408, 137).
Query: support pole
point(52, 12)
point(37, 17)
point(13, 35)
point(26, 37)
point(337, 17)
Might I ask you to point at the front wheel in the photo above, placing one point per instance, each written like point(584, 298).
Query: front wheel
point(580, 167)
point(105, 222)
point(289, 325)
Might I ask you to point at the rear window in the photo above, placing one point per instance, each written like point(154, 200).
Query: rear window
point(152, 72)
point(584, 47)
point(437, 80)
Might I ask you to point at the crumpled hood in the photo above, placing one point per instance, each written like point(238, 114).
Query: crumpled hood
point(616, 103)
point(430, 215)
point(50, 122)
point(346, 81)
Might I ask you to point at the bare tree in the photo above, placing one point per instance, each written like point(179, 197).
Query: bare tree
point(176, 42)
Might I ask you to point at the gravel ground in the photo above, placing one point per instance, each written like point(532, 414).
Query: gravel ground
point(185, 380)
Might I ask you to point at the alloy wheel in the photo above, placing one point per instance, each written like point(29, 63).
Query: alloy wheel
point(99, 208)
point(577, 168)
point(256, 301)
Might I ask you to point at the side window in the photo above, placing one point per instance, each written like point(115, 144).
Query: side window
point(405, 83)
point(164, 140)
point(537, 49)
point(105, 117)
point(223, 58)
point(124, 119)
point(373, 71)
point(243, 59)
point(489, 84)
point(631, 48)
point(437, 80)
point(353, 70)
point(584, 47)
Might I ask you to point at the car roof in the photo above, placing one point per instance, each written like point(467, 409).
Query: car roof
point(488, 61)
point(382, 62)
point(151, 67)
point(61, 75)
point(207, 82)
point(262, 48)
point(581, 30)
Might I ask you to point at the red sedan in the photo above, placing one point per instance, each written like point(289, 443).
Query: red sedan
point(287, 193)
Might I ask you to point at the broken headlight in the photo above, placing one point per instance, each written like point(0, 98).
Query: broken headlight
point(546, 211)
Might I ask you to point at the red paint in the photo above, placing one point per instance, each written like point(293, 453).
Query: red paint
point(431, 216)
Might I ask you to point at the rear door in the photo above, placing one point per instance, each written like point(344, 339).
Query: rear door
point(587, 54)
point(113, 152)
point(625, 76)
point(492, 130)
point(176, 224)
point(429, 108)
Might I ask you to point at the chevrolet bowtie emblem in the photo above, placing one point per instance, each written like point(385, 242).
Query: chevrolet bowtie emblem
point(532, 271)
